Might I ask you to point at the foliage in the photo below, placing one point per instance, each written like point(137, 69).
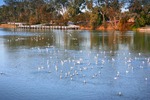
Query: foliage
point(87, 12)
point(141, 9)
point(95, 18)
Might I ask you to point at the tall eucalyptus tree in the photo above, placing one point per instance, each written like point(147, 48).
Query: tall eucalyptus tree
point(141, 11)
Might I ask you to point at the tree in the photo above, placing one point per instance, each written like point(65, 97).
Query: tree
point(95, 18)
point(96, 12)
point(61, 6)
point(103, 4)
point(4, 16)
point(74, 8)
point(109, 9)
point(114, 12)
point(135, 6)
point(141, 10)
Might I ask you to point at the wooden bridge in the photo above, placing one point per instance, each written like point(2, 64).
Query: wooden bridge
point(74, 27)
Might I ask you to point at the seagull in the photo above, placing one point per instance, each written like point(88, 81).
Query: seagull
point(99, 72)
point(62, 63)
point(119, 93)
point(56, 68)
point(118, 73)
point(127, 71)
point(115, 78)
point(93, 76)
point(139, 54)
point(49, 71)
point(39, 68)
point(146, 79)
point(1, 73)
point(60, 76)
point(84, 82)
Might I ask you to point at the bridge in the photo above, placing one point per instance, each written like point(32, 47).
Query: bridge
point(74, 27)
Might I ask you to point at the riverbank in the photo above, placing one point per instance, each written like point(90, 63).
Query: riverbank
point(7, 26)
point(101, 28)
point(144, 29)
point(38, 26)
point(81, 27)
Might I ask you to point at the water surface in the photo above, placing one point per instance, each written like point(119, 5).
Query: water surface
point(74, 65)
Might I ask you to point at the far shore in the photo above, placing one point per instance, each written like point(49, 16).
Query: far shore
point(81, 27)
point(142, 29)
point(7, 26)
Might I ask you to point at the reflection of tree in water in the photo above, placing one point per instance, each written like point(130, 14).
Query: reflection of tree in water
point(96, 40)
point(141, 42)
point(125, 39)
point(73, 40)
point(78, 40)
point(107, 41)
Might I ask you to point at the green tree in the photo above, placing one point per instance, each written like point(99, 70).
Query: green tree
point(4, 16)
point(114, 13)
point(95, 18)
point(141, 11)
point(110, 10)
point(74, 9)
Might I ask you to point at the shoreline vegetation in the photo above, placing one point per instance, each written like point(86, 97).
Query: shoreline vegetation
point(100, 28)
point(87, 14)
point(7, 26)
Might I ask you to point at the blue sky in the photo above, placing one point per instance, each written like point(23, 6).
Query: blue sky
point(1, 2)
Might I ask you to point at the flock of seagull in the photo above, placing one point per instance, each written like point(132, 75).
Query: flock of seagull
point(87, 65)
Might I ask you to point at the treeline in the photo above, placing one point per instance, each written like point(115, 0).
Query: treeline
point(91, 13)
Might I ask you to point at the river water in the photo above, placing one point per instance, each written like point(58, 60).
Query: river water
point(74, 65)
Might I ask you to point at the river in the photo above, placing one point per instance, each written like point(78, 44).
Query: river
point(74, 65)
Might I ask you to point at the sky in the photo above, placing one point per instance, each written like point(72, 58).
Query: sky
point(1, 2)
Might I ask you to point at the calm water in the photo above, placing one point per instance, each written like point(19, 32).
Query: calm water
point(74, 65)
